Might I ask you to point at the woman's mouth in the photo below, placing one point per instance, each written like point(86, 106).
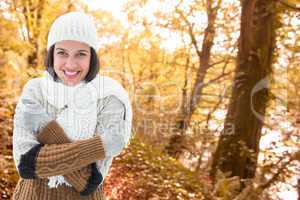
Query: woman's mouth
point(71, 74)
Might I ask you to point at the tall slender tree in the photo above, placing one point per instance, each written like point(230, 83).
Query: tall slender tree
point(190, 104)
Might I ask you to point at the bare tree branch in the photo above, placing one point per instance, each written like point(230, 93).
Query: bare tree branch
point(289, 5)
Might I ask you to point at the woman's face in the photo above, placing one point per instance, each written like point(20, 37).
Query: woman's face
point(71, 61)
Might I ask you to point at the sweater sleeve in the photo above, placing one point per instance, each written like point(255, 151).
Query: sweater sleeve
point(61, 159)
point(34, 159)
point(87, 179)
point(111, 126)
point(28, 118)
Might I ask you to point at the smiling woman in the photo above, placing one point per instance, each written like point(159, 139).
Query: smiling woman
point(71, 123)
point(71, 61)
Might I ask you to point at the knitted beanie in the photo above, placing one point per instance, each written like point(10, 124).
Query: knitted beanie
point(76, 26)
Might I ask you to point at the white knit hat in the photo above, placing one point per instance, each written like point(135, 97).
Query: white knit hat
point(76, 26)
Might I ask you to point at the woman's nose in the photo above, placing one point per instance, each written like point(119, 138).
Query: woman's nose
point(70, 63)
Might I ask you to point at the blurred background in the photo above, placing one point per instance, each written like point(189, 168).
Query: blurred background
point(214, 86)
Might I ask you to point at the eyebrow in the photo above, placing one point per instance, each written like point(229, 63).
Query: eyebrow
point(81, 50)
point(84, 51)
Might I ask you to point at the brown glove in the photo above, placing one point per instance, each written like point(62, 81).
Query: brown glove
point(57, 155)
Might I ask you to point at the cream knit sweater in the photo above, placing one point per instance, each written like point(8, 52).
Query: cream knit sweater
point(100, 107)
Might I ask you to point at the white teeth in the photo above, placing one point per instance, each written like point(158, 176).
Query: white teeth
point(70, 73)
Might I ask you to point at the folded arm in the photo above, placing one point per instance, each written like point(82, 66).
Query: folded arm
point(58, 159)
point(34, 159)
point(85, 180)
point(43, 160)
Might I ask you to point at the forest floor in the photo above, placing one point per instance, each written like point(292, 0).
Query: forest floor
point(141, 172)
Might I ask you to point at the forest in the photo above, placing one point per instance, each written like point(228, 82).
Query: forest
point(214, 86)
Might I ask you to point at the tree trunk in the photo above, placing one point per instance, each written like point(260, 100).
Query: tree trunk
point(238, 146)
point(298, 187)
point(204, 58)
point(33, 18)
point(190, 106)
point(176, 143)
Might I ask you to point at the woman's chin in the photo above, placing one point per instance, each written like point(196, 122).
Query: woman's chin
point(71, 83)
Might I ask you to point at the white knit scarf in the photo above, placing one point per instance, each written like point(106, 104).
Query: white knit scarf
point(77, 107)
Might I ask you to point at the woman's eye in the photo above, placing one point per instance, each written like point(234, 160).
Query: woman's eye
point(61, 53)
point(82, 54)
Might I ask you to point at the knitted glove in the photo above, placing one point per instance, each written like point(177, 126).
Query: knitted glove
point(59, 159)
point(85, 180)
